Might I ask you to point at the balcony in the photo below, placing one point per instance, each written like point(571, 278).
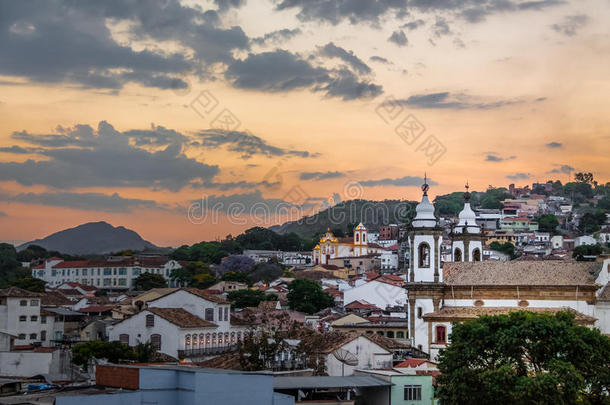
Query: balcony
point(206, 351)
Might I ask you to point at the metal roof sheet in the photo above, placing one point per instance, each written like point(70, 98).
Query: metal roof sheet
point(328, 382)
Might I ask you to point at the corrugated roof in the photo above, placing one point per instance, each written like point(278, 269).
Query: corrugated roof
point(525, 273)
point(286, 383)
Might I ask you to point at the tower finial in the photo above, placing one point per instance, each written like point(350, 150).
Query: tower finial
point(467, 193)
point(425, 186)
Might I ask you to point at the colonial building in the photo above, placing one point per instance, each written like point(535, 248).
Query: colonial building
point(467, 288)
point(184, 323)
point(331, 247)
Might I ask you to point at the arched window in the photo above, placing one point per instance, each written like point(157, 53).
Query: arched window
point(201, 340)
point(124, 338)
point(156, 341)
point(424, 255)
point(208, 340)
point(187, 342)
point(457, 255)
point(357, 237)
point(195, 341)
point(150, 321)
point(238, 336)
point(232, 337)
point(400, 335)
point(390, 334)
point(476, 255)
point(226, 338)
point(441, 334)
point(213, 339)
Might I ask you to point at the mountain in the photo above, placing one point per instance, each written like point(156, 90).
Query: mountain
point(92, 238)
point(372, 214)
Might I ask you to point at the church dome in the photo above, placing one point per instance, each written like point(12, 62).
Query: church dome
point(424, 217)
point(467, 218)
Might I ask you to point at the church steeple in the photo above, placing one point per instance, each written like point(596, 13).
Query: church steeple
point(466, 238)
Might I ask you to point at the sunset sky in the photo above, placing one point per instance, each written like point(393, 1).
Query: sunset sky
point(133, 111)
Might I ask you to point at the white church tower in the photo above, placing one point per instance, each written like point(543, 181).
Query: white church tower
point(360, 240)
point(466, 237)
point(425, 239)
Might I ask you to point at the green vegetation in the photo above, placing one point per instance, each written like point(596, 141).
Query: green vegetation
point(591, 221)
point(548, 223)
point(249, 298)
point(112, 351)
point(147, 281)
point(506, 248)
point(307, 296)
point(194, 274)
point(581, 251)
point(525, 358)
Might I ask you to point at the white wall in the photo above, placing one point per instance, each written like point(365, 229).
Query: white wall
point(377, 293)
point(25, 364)
point(370, 355)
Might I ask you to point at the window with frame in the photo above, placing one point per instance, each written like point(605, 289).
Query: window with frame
point(441, 334)
point(150, 321)
point(412, 392)
point(34, 303)
point(21, 336)
point(43, 319)
point(156, 341)
point(34, 318)
point(419, 312)
point(107, 272)
point(424, 255)
point(124, 338)
point(23, 318)
point(209, 314)
point(33, 336)
point(226, 313)
point(23, 303)
point(43, 335)
point(219, 313)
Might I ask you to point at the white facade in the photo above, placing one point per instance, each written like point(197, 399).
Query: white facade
point(557, 242)
point(370, 355)
point(389, 260)
point(378, 293)
point(584, 240)
point(174, 337)
point(103, 275)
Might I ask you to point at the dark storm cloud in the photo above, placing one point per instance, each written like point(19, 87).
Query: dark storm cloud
point(380, 59)
point(276, 37)
point(496, 158)
point(519, 176)
point(82, 201)
point(413, 24)
point(84, 157)
point(571, 24)
point(335, 11)
point(245, 143)
point(405, 181)
point(554, 145)
point(65, 41)
point(399, 38)
point(373, 11)
point(320, 175)
point(281, 71)
point(441, 27)
point(331, 50)
point(454, 101)
point(224, 5)
point(565, 169)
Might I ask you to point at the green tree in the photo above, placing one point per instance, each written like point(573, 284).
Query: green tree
point(506, 248)
point(112, 351)
point(145, 352)
point(548, 223)
point(265, 272)
point(591, 221)
point(525, 358)
point(147, 281)
point(194, 274)
point(234, 276)
point(249, 298)
point(307, 296)
point(30, 284)
point(604, 203)
point(581, 251)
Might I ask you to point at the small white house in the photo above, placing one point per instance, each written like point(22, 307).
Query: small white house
point(584, 240)
point(379, 293)
point(369, 354)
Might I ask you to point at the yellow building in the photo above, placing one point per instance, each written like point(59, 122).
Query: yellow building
point(331, 247)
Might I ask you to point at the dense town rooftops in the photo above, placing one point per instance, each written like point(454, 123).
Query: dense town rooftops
point(521, 273)
point(455, 314)
point(16, 292)
point(182, 318)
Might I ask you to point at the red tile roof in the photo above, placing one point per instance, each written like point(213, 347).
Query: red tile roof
point(97, 308)
point(411, 363)
point(361, 305)
point(182, 318)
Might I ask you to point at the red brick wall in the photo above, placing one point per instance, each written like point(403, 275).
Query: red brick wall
point(118, 377)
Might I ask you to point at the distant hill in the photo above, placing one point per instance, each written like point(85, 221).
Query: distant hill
point(92, 238)
point(372, 214)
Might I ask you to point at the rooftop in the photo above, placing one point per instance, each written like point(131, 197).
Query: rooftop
point(181, 318)
point(539, 273)
point(466, 313)
point(322, 382)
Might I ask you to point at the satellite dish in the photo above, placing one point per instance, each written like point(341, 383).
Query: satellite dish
point(346, 357)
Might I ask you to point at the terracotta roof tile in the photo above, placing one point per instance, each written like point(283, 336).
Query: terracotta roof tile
point(466, 313)
point(544, 272)
point(17, 292)
point(182, 318)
